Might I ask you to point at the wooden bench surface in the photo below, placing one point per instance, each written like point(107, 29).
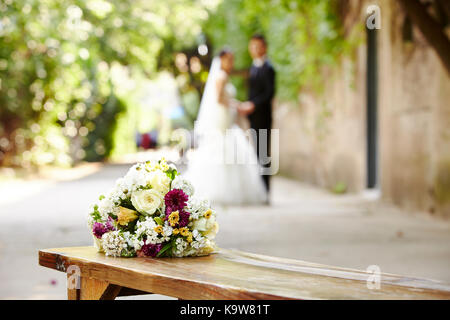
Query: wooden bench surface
point(232, 274)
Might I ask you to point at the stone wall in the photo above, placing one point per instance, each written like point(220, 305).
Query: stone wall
point(414, 118)
point(323, 138)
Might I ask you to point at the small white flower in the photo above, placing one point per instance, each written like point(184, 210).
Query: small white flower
point(144, 227)
point(136, 177)
point(198, 244)
point(129, 238)
point(196, 234)
point(181, 183)
point(112, 243)
point(180, 247)
point(122, 189)
point(167, 230)
point(106, 207)
point(147, 228)
point(197, 207)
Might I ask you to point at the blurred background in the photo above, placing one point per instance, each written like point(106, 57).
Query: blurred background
point(88, 87)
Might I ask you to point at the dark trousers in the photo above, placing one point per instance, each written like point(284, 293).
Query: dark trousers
point(266, 177)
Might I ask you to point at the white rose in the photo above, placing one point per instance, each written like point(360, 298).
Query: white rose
point(211, 232)
point(204, 224)
point(200, 224)
point(210, 222)
point(159, 181)
point(146, 201)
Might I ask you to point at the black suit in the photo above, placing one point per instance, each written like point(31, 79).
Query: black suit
point(261, 92)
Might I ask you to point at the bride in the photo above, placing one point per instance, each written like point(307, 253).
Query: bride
point(224, 167)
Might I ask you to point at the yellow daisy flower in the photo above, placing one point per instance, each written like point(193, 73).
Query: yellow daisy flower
point(174, 217)
point(207, 213)
point(158, 229)
point(184, 231)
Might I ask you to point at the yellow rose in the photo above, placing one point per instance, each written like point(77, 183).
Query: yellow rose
point(126, 215)
point(147, 201)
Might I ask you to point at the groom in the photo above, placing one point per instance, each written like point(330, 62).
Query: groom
point(258, 108)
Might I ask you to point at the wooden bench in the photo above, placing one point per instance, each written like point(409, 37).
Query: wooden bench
point(228, 274)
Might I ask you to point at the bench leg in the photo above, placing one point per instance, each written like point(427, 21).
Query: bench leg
point(93, 289)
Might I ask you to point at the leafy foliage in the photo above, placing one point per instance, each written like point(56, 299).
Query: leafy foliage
point(165, 250)
point(303, 36)
point(59, 95)
point(65, 66)
point(172, 173)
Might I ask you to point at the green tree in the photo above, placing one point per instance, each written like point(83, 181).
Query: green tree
point(303, 36)
point(58, 96)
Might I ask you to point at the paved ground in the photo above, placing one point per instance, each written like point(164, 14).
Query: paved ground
point(303, 222)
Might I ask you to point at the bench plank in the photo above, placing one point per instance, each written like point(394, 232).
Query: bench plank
point(232, 274)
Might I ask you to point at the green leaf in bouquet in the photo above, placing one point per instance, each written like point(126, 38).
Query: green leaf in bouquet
point(128, 253)
point(113, 216)
point(172, 173)
point(131, 226)
point(166, 247)
point(161, 212)
point(146, 187)
point(159, 221)
point(126, 203)
point(96, 216)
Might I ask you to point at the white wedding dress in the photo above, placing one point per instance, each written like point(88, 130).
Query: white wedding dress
point(224, 167)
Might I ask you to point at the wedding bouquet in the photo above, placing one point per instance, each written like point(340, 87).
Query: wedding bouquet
point(152, 211)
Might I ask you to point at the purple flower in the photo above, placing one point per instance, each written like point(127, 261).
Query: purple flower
point(109, 224)
point(175, 200)
point(150, 250)
point(99, 229)
point(184, 219)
